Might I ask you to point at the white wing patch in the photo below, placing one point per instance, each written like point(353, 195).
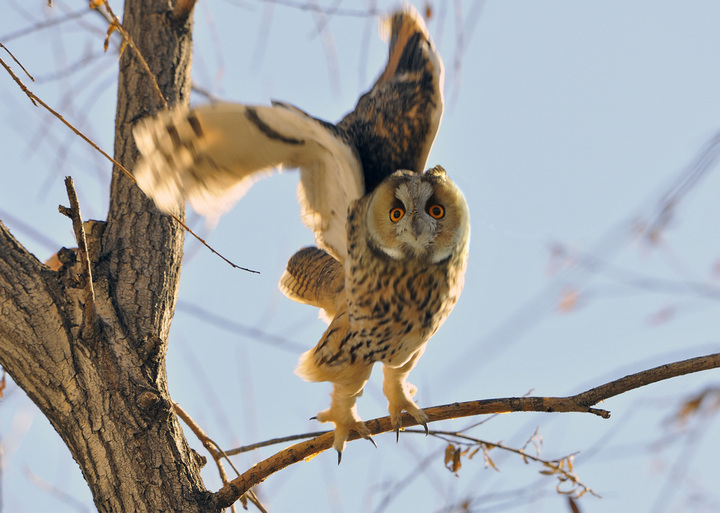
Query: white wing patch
point(211, 156)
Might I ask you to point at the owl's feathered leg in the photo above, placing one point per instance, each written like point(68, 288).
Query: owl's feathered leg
point(343, 410)
point(399, 393)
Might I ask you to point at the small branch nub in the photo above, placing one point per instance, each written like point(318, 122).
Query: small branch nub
point(90, 321)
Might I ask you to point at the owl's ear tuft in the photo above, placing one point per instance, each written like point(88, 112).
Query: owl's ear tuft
point(404, 172)
point(438, 171)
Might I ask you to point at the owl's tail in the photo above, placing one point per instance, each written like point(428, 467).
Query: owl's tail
point(311, 369)
point(308, 369)
point(330, 359)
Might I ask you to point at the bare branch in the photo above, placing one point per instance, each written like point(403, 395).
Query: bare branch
point(582, 403)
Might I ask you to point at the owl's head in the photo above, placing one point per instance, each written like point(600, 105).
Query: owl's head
point(413, 215)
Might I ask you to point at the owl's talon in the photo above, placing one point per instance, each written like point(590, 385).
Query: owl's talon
point(397, 435)
point(399, 394)
point(345, 420)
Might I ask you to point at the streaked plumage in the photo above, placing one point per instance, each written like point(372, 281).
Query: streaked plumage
point(392, 240)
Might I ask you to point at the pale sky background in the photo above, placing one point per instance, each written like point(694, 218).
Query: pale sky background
point(566, 123)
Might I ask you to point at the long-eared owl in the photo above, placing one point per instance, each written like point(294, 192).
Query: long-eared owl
point(392, 240)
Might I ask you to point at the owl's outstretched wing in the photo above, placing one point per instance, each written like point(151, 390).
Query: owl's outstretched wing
point(393, 125)
point(212, 154)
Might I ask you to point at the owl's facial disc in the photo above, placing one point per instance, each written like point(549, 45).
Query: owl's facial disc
point(413, 221)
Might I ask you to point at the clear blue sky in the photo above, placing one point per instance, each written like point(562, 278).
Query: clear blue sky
point(565, 124)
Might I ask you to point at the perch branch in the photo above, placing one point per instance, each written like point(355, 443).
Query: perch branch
point(582, 403)
point(90, 322)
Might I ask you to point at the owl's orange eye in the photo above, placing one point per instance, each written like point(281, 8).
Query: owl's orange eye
point(396, 214)
point(436, 211)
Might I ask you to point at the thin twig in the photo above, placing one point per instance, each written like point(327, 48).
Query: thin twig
point(216, 453)
point(44, 24)
point(36, 100)
point(90, 323)
point(582, 403)
point(18, 81)
point(57, 493)
point(208, 443)
point(116, 25)
point(555, 465)
point(275, 441)
point(17, 62)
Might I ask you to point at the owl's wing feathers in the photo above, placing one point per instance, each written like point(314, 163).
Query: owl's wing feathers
point(313, 277)
point(211, 155)
point(394, 124)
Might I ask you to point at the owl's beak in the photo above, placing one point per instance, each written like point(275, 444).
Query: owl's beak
point(417, 227)
point(420, 228)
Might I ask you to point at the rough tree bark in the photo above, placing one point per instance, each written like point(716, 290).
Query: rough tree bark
point(101, 382)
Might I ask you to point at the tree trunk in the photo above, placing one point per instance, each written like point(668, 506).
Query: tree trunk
point(101, 381)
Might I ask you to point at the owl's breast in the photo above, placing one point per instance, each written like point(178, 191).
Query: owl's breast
point(394, 307)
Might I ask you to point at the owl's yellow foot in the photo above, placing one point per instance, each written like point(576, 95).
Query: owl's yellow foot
point(345, 421)
point(399, 396)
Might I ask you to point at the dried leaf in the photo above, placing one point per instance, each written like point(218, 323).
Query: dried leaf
point(697, 404)
point(112, 28)
point(428, 11)
point(489, 462)
point(96, 4)
point(54, 262)
point(574, 508)
point(524, 457)
point(452, 458)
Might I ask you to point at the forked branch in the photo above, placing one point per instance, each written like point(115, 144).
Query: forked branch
point(582, 403)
